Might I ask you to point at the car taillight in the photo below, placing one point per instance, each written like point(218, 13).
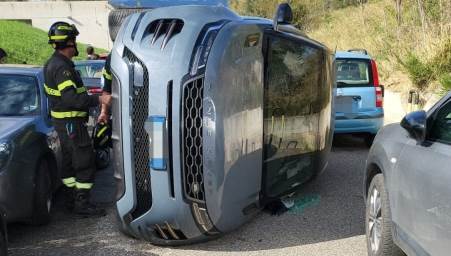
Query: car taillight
point(379, 97)
point(378, 87)
point(95, 90)
point(375, 74)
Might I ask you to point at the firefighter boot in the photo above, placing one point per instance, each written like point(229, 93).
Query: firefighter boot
point(83, 207)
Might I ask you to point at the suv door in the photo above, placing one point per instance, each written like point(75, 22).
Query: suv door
point(423, 180)
point(293, 69)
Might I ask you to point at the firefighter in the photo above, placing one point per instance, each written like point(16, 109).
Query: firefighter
point(107, 81)
point(69, 104)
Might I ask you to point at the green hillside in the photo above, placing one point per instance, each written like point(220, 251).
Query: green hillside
point(410, 39)
point(24, 43)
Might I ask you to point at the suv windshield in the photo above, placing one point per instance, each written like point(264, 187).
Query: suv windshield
point(353, 73)
point(90, 70)
point(18, 96)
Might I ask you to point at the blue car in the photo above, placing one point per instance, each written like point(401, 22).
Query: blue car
point(30, 151)
point(359, 96)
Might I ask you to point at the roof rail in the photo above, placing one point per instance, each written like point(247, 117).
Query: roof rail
point(359, 50)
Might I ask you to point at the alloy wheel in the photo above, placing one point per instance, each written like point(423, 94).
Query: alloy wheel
point(375, 220)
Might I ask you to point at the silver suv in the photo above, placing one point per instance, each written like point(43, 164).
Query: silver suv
point(407, 185)
point(215, 115)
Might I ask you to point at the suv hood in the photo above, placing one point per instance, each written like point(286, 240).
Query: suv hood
point(164, 3)
point(9, 125)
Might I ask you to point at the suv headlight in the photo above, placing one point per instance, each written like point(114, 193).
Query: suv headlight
point(5, 152)
point(204, 44)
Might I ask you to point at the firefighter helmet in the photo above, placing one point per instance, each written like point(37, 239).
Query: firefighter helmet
point(60, 33)
point(102, 136)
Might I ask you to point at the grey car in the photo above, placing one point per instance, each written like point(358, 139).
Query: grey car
point(408, 185)
point(214, 116)
point(30, 152)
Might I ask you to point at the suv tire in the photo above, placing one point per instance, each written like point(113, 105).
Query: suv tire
point(378, 224)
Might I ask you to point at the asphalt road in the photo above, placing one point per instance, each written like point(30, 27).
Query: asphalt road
point(327, 220)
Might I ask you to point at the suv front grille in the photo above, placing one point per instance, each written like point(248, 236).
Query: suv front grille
point(192, 140)
point(140, 113)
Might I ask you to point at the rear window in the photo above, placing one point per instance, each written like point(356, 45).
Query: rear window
point(90, 70)
point(353, 73)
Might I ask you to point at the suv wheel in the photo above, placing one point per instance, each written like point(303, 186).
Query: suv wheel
point(378, 222)
point(42, 203)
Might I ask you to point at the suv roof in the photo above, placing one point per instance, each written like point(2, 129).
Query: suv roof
point(20, 69)
point(164, 3)
point(351, 55)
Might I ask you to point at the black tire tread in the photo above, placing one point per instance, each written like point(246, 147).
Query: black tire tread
point(388, 247)
point(40, 215)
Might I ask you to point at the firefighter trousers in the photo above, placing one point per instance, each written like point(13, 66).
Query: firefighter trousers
point(78, 163)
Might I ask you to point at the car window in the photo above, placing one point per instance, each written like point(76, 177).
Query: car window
point(353, 73)
point(93, 70)
point(19, 96)
point(441, 128)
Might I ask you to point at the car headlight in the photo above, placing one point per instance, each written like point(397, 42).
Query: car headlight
point(203, 47)
point(5, 152)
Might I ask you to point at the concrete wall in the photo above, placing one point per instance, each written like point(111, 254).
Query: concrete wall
point(90, 17)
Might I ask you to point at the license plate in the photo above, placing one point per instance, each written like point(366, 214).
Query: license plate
point(344, 104)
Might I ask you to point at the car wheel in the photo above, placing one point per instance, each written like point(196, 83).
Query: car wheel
point(378, 223)
point(43, 195)
point(117, 17)
point(369, 139)
point(3, 243)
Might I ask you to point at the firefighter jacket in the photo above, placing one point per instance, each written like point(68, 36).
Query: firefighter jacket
point(68, 98)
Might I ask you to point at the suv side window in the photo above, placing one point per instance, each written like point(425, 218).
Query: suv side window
point(441, 128)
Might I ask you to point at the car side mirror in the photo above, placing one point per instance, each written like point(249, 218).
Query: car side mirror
point(415, 124)
point(283, 16)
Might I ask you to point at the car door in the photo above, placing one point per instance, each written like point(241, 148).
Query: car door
point(423, 186)
point(293, 70)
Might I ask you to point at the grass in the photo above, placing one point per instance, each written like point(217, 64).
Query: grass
point(407, 50)
point(26, 44)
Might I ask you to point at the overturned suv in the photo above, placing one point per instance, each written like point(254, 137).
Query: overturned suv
point(214, 116)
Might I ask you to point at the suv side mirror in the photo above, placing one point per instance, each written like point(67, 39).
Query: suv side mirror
point(283, 16)
point(415, 124)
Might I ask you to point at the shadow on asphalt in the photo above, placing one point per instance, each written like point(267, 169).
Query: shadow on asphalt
point(328, 208)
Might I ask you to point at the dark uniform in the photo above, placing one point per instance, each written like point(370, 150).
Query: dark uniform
point(69, 104)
